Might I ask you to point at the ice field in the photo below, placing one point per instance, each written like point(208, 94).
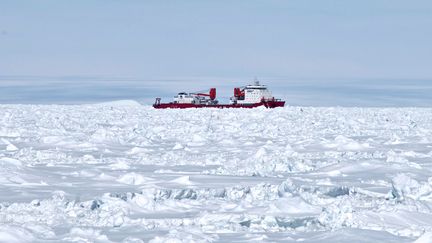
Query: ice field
point(124, 172)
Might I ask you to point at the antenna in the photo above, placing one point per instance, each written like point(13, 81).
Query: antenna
point(256, 82)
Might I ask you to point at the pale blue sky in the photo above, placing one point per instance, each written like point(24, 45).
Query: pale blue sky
point(217, 40)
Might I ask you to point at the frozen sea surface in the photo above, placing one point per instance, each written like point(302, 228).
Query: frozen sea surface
point(123, 172)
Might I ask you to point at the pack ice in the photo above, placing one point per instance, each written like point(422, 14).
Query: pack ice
point(123, 172)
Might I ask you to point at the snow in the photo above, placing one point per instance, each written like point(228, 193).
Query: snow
point(120, 103)
point(425, 238)
point(11, 234)
point(133, 179)
point(124, 172)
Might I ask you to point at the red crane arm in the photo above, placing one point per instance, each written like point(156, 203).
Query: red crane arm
point(211, 94)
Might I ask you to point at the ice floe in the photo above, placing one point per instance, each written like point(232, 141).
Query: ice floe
point(124, 172)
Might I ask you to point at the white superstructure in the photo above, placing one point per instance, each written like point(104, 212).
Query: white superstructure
point(196, 98)
point(251, 94)
point(185, 98)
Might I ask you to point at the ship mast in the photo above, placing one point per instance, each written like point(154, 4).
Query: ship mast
point(256, 81)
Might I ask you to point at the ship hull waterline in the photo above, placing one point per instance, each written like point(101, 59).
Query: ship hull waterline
point(268, 104)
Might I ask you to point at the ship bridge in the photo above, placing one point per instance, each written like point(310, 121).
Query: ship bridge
point(251, 94)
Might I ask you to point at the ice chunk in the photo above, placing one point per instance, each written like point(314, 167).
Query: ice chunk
point(137, 150)
point(295, 206)
point(287, 186)
point(261, 153)
point(183, 180)
point(144, 200)
point(11, 147)
point(403, 186)
point(338, 214)
point(177, 146)
point(134, 179)
point(120, 165)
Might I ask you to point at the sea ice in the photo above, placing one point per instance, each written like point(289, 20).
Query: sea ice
point(120, 171)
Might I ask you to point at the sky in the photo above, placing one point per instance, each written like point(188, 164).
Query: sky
point(218, 43)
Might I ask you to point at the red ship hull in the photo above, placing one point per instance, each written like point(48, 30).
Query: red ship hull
point(267, 104)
